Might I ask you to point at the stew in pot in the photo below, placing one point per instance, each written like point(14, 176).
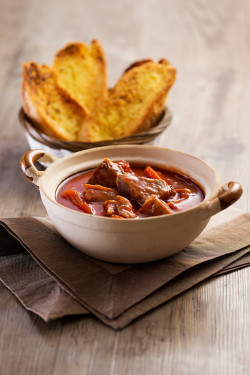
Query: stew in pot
point(119, 190)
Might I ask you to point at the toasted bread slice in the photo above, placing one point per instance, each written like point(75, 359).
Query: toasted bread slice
point(54, 113)
point(133, 105)
point(80, 71)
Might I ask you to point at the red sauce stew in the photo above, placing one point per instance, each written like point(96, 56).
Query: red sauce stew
point(119, 190)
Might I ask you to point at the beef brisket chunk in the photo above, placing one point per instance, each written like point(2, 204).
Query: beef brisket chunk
point(110, 208)
point(106, 174)
point(119, 207)
point(98, 193)
point(155, 206)
point(125, 166)
point(139, 189)
point(125, 208)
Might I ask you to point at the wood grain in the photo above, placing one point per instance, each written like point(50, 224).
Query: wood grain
point(205, 330)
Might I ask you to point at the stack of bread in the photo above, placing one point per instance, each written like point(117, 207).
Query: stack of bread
point(71, 100)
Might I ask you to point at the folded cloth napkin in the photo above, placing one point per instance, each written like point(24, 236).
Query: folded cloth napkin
point(52, 279)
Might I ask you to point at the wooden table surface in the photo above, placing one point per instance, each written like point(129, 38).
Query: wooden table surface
point(206, 330)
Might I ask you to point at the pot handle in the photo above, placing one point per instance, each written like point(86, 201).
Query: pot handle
point(28, 167)
point(230, 193)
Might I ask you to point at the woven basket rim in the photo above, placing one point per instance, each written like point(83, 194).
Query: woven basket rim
point(139, 138)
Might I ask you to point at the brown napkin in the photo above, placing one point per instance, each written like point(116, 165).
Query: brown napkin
point(52, 279)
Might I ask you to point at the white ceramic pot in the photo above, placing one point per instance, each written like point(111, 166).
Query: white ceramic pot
point(129, 240)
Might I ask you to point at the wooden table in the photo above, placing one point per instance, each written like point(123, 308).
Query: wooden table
point(206, 330)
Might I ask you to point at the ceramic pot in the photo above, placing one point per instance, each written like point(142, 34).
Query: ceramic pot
point(129, 240)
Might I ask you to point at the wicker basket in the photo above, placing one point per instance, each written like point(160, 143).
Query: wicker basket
point(60, 148)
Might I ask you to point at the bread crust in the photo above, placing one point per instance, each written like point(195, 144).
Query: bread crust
point(29, 108)
point(137, 63)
